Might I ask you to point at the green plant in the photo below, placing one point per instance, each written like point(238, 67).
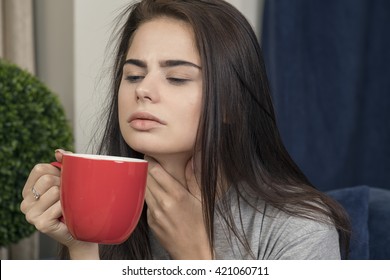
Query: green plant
point(32, 126)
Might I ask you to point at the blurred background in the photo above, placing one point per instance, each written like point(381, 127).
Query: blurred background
point(329, 68)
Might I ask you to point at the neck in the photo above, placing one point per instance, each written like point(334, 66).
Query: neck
point(175, 165)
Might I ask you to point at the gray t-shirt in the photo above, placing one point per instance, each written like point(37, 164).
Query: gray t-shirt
point(272, 234)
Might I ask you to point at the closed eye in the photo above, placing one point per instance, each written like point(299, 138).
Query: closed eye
point(177, 81)
point(134, 79)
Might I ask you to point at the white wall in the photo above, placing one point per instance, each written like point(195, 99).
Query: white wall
point(54, 48)
point(252, 9)
point(93, 20)
point(72, 40)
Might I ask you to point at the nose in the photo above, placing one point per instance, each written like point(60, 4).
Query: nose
point(146, 90)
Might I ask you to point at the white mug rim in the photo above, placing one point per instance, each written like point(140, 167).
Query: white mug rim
point(104, 157)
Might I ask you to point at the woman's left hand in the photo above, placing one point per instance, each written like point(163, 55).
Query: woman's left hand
point(175, 214)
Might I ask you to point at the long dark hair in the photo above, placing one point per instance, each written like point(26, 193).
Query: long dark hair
point(237, 136)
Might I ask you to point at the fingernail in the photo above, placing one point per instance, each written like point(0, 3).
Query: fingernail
point(59, 151)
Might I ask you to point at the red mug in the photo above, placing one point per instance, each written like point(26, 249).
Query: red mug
point(101, 196)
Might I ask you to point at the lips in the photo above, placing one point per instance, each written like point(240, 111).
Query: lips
point(144, 121)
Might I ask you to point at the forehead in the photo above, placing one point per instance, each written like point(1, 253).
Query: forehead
point(167, 37)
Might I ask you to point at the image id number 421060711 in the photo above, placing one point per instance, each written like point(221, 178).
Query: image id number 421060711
point(249, 270)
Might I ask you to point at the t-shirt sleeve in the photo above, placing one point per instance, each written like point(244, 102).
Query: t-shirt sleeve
point(287, 237)
point(317, 245)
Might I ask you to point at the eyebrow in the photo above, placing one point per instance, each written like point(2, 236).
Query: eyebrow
point(164, 64)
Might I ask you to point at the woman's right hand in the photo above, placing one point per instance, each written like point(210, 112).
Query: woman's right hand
point(44, 212)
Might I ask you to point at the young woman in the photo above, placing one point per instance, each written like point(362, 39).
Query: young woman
point(190, 94)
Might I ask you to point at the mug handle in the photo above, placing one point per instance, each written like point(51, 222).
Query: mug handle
point(59, 166)
point(56, 164)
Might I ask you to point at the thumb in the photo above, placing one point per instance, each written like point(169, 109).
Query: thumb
point(59, 153)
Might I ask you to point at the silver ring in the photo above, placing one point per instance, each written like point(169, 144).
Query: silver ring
point(35, 193)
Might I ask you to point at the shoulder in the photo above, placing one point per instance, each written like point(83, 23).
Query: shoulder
point(275, 234)
point(293, 237)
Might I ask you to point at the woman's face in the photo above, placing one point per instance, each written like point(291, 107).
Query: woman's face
point(161, 89)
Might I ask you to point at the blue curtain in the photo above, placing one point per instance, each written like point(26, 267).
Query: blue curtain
point(329, 67)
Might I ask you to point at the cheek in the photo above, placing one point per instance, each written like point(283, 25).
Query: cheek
point(196, 111)
point(190, 124)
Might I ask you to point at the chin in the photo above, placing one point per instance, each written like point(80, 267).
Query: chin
point(153, 150)
point(145, 150)
point(139, 150)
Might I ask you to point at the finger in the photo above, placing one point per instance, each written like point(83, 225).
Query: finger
point(165, 180)
point(36, 173)
point(50, 224)
point(150, 198)
point(43, 184)
point(50, 217)
point(152, 220)
point(150, 160)
point(154, 194)
point(48, 199)
point(158, 202)
point(36, 208)
point(156, 220)
point(54, 227)
point(153, 209)
point(59, 153)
